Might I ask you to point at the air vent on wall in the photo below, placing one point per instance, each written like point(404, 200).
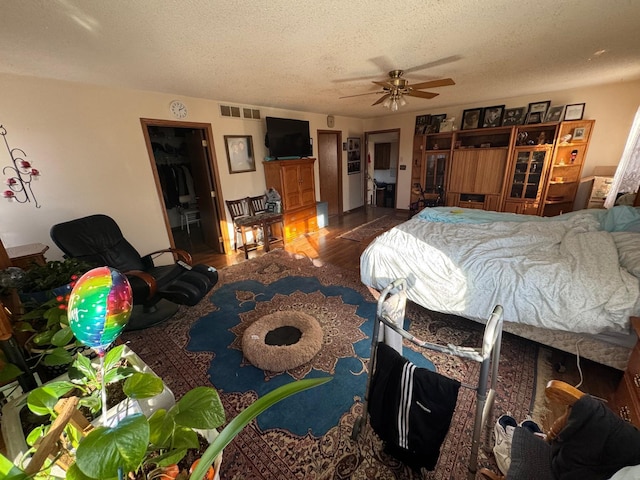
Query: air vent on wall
point(239, 112)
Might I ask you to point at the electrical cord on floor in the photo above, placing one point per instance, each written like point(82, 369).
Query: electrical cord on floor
point(580, 371)
point(578, 363)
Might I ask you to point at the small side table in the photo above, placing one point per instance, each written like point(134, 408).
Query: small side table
point(24, 255)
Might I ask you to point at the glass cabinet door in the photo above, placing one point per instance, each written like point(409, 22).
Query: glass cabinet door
point(527, 174)
point(436, 171)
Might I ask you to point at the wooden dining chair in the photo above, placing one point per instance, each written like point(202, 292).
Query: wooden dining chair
point(244, 222)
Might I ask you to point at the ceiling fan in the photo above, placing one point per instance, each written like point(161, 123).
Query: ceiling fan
point(395, 87)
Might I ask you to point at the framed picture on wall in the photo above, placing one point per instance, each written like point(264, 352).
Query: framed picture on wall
point(353, 155)
point(240, 153)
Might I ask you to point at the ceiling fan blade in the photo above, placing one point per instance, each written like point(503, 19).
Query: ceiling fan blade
point(435, 63)
point(381, 99)
point(418, 93)
point(443, 82)
point(383, 84)
point(360, 94)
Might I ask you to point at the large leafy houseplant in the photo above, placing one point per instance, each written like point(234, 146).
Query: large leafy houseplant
point(51, 275)
point(110, 452)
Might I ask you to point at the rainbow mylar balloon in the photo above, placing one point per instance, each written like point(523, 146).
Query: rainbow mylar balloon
point(99, 307)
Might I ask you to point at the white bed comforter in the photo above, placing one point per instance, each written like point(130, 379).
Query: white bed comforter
point(561, 275)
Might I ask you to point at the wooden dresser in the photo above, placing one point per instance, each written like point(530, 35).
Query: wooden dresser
point(626, 399)
point(295, 182)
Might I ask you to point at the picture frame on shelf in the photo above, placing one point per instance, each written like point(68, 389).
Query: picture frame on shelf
point(534, 117)
point(514, 116)
point(422, 122)
point(470, 118)
point(492, 116)
point(240, 156)
point(434, 123)
point(579, 133)
point(554, 114)
point(447, 125)
point(538, 107)
point(575, 111)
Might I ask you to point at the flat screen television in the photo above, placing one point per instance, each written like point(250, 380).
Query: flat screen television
point(287, 137)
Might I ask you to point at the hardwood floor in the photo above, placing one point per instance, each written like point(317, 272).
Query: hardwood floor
point(325, 245)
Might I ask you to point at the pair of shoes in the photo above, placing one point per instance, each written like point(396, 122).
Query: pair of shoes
point(533, 427)
point(503, 432)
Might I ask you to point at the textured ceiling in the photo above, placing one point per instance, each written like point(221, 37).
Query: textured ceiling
point(304, 55)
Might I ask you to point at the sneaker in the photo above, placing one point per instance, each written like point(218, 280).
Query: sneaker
point(533, 427)
point(503, 431)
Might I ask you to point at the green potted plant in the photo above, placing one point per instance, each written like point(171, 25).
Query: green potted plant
point(112, 452)
point(143, 393)
point(57, 277)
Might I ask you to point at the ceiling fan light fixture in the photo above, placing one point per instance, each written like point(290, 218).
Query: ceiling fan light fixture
point(403, 102)
point(387, 103)
point(394, 105)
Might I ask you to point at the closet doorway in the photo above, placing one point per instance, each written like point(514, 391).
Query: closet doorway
point(186, 175)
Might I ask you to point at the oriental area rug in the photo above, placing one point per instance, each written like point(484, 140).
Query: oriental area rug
point(308, 435)
point(372, 228)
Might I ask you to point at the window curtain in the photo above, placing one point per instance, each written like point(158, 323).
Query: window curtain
point(627, 176)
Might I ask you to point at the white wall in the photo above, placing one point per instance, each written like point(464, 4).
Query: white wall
point(613, 106)
point(88, 144)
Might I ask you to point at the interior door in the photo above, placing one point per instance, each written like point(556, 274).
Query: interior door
point(330, 170)
point(205, 189)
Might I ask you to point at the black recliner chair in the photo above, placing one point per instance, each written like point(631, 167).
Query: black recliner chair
point(157, 290)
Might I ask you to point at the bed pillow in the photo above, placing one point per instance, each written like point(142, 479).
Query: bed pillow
point(628, 245)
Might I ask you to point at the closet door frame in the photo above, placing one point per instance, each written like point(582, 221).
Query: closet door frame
point(223, 242)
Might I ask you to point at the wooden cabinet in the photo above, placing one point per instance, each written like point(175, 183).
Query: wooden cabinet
point(526, 179)
point(531, 169)
point(295, 181)
point(566, 166)
point(429, 166)
point(626, 400)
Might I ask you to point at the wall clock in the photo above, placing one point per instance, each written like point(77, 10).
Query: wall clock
point(178, 109)
point(331, 121)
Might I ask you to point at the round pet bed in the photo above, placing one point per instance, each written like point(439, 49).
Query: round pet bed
point(282, 341)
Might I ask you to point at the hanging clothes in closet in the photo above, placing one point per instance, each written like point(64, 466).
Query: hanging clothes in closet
point(176, 181)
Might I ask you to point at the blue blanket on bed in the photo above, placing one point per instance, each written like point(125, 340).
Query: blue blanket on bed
point(616, 219)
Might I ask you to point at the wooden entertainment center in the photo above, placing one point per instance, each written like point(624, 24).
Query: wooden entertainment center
point(530, 169)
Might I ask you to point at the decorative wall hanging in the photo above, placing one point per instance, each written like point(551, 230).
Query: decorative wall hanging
point(19, 174)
